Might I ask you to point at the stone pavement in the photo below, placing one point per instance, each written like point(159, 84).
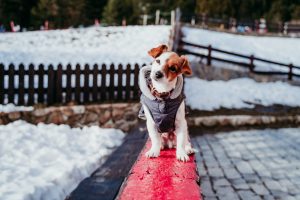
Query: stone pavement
point(255, 164)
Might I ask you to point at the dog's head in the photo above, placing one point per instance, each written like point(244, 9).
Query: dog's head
point(166, 67)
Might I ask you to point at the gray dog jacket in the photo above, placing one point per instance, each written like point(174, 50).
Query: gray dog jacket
point(163, 111)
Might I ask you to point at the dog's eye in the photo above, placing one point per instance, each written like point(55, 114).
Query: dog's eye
point(157, 61)
point(172, 69)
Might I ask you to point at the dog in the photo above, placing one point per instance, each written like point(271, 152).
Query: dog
point(163, 105)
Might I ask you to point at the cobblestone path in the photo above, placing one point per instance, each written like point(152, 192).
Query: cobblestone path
point(256, 164)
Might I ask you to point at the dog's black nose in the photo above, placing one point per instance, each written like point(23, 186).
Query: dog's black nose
point(158, 74)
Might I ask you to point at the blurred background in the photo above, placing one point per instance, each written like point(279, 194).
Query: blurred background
point(59, 14)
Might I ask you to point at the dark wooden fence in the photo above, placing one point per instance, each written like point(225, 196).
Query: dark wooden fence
point(248, 63)
point(60, 85)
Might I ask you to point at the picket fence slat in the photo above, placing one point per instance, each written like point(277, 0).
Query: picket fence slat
point(41, 84)
point(103, 83)
point(31, 85)
point(120, 74)
point(111, 82)
point(86, 92)
point(21, 85)
point(77, 84)
point(1, 83)
point(69, 83)
point(51, 86)
point(11, 83)
point(95, 83)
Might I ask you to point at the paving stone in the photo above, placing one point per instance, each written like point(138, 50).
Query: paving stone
point(290, 198)
point(229, 196)
point(244, 168)
point(264, 174)
point(215, 172)
point(251, 178)
point(259, 189)
point(268, 197)
point(221, 182)
point(231, 173)
point(277, 175)
point(240, 184)
point(211, 198)
point(224, 190)
point(246, 194)
point(293, 191)
point(272, 185)
point(279, 194)
point(207, 189)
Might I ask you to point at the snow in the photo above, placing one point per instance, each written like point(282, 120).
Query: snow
point(238, 93)
point(12, 108)
point(92, 45)
point(48, 161)
point(278, 49)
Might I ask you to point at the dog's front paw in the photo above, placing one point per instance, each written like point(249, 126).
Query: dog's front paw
point(152, 153)
point(181, 155)
point(189, 150)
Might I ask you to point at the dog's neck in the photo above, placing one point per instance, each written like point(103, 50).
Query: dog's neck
point(160, 95)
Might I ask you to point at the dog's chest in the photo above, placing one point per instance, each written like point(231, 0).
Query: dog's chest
point(163, 112)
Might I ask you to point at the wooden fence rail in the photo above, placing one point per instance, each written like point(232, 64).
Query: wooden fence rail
point(249, 60)
point(57, 85)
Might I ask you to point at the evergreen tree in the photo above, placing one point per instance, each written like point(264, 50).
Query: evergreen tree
point(296, 12)
point(93, 10)
point(71, 13)
point(45, 10)
point(117, 10)
point(111, 12)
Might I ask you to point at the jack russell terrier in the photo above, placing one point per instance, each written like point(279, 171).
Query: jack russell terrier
point(163, 104)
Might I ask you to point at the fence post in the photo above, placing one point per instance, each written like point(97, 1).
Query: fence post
point(176, 31)
point(173, 21)
point(290, 72)
point(145, 19)
point(285, 28)
point(193, 21)
point(251, 66)
point(209, 55)
point(157, 13)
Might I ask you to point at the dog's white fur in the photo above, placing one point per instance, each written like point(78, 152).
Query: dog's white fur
point(158, 140)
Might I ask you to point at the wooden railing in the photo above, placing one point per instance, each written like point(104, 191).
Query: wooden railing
point(248, 63)
point(60, 85)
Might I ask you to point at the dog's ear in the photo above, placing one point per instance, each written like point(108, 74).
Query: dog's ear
point(157, 51)
point(185, 66)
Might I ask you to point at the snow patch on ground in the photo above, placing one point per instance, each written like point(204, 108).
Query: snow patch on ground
point(284, 50)
point(48, 161)
point(235, 93)
point(108, 45)
point(12, 108)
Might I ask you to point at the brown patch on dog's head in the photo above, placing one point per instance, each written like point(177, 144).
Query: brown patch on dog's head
point(157, 51)
point(185, 67)
point(175, 66)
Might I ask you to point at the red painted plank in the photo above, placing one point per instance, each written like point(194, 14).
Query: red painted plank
point(161, 178)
